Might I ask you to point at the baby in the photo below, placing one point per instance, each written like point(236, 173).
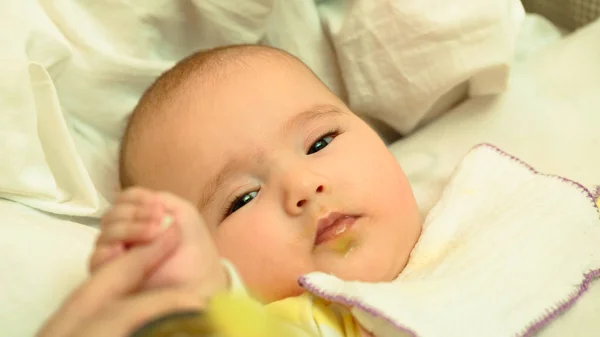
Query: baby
point(269, 177)
point(258, 163)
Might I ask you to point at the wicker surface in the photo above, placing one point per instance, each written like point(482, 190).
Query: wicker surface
point(569, 14)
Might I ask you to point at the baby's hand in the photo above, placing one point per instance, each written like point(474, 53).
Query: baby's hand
point(139, 216)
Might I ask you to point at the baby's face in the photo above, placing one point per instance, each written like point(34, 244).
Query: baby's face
point(272, 158)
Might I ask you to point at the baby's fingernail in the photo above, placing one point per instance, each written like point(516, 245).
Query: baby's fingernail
point(166, 222)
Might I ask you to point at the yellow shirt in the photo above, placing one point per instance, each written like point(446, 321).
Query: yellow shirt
point(315, 316)
point(301, 316)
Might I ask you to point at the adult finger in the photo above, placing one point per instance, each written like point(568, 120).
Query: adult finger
point(124, 317)
point(126, 273)
point(111, 282)
point(103, 254)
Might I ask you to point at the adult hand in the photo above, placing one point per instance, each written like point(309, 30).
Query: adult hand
point(110, 304)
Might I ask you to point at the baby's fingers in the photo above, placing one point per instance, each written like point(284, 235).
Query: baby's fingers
point(113, 241)
point(130, 232)
point(130, 212)
point(137, 196)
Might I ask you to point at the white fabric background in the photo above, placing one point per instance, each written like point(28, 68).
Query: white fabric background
point(68, 82)
point(73, 70)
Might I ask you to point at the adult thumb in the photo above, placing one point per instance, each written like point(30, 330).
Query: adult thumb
point(113, 281)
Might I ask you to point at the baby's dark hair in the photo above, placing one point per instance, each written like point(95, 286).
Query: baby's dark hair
point(157, 100)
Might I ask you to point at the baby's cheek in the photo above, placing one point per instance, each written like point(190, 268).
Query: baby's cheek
point(267, 251)
point(247, 237)
point(233, 240)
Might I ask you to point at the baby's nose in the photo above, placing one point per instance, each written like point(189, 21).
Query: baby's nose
point(302, 202)
point(301, 196)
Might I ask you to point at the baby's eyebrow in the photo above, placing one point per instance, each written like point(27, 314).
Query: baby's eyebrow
point(314, 114)
point(230, 166)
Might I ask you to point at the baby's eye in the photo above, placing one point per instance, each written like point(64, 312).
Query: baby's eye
point(322, 142)
point(240, 202)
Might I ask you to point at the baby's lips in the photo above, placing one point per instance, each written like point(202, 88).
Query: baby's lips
point(333, 227)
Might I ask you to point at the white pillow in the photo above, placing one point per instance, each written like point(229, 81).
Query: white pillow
point(548, 117)
point(41, 166)
point(73, 70)
point(406, 62)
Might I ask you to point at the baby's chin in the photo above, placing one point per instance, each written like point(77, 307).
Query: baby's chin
point(349, 259)
point(352, 261)
point(348, 269)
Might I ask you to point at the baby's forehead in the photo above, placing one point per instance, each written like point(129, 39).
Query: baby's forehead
point(185, 116)
point(230, 63)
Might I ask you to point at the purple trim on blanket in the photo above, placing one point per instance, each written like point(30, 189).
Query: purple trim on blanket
point(582, 188)
point(596, 193)
point(530, 330)
point(563, 307)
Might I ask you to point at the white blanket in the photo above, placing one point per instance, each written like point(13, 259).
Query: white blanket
point(507, 251)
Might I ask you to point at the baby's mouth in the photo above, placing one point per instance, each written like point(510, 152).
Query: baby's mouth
point(332, 226)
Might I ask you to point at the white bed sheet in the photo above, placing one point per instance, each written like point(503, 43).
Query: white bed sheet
point(43, 258)
point(549, 117)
